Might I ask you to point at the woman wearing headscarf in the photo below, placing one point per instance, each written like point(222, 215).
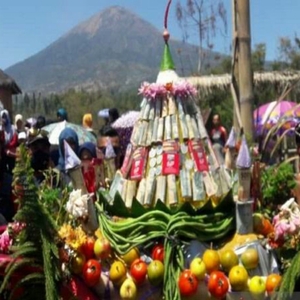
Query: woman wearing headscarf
point(87, 123)
point(19, 126)
point(9, 141)
point(62, 115)
point(70, 136)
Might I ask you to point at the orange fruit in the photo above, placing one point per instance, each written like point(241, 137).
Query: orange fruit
point(273, 281)
point(211, 260)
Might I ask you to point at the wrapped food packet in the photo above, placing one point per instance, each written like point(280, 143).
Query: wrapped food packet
point(155, 129)
point(124, 189)
point(146, 111)
point(152, 111)
point(171, 105)
point(190, 127)
point(127, 160)
point(172, 191)
point(158, 107)
point(143, 140)
point(195, 128)
point(135, 133)
point(160, 130)
point(174, 125)
point(243, 164)
point(143, 106)
point(164, 112)
point(149, 132)
point(210, 185)
point(184, 127)
point(117, 185)
point(168, 128)
point(150, 190)
point(185, 184)
point(201, 127)
point(161, 187)
point(198, 187)
point(141, 191)
point(130, 192)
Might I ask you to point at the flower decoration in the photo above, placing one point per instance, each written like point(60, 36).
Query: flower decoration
point(181, 89)
point(5, 242)
point(74, 237)
point(77, 204)
point(287, 221)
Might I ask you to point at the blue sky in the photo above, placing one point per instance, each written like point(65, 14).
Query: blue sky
point(28, 26)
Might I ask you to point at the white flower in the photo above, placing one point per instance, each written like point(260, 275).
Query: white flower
point(77, 204)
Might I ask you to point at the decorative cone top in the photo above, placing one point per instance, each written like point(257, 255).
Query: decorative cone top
point(167, 62)
point(231, 142)
point(243, 160)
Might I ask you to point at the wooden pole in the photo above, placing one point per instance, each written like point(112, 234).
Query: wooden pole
point(245, 75)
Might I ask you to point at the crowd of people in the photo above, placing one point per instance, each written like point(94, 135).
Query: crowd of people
point(45, 155)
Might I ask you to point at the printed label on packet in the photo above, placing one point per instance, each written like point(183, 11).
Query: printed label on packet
point(138, 164)
point(127, 160)
point(199, 156)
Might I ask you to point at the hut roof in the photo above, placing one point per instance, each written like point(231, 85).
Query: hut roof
point(206, 84)
point(7, 82)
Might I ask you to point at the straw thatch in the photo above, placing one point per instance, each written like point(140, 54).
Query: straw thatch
point(7, 82)
point(208, 84)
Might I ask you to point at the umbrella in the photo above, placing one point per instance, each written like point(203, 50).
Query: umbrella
point(55, 129)
point(124, 126)
point(267, 115)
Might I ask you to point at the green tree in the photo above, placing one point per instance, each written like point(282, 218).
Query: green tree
point(258, 58)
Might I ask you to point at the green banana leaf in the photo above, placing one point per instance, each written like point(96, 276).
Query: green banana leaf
point(117, 207)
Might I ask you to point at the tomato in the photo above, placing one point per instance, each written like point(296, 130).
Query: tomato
point(158, 252)
point(138, 271)
point(91, 272)
point(218, 284)
point(188, 283)
point(87, 249)
point(272, 282)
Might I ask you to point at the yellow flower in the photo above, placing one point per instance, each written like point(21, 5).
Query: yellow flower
point(73, 237)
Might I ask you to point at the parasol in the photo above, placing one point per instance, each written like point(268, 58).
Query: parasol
point(55, 129)
point(268, 115)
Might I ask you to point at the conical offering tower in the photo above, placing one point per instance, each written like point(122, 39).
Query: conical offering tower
point(170, 157)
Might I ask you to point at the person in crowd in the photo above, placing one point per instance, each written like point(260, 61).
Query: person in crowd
point(39, 149)
point(9, 142)
point(218, 136)
point(87, 151)
point(113, 115)
point(87, 123)
point(22, 138)
point(30, 123)
point(62, 115)
point(19, 126)
point(40, 122)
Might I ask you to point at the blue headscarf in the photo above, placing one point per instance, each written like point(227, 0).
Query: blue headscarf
point(66, 134)
point(62, 113)
point(91, 147)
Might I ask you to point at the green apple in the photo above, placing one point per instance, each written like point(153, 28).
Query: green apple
point(155, 272)
point(250, 258)
point(257, 287)
point(197, 267)
point(128, 290)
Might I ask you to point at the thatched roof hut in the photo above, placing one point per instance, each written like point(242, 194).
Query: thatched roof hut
point(6, 82)
point(8, 87)
point(207, 84)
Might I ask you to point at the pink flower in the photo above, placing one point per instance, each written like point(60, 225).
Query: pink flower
point(5, 242)
point(281, 228)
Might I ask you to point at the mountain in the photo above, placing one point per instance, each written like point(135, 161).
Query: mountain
point(112, 49)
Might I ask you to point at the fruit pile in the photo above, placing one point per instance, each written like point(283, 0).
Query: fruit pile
point(218, 273)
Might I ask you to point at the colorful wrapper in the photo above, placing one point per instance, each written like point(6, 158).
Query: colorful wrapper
point(244, 179)
point(77, 179)
point(168, 128)
point(127, 160)
point(150, 190)
point(161, 187)
point(140, 196)
point(130, 192)
point(201, 127)
point(158, 104)
point(174, 122)
point(160, 130)
point(185, 184)
point(149, 132)
point(146, 111)
point(171, 105)
point(190, 127)
point(164, 112)
point(172, 191)
point(198, 187)
point(155, 129)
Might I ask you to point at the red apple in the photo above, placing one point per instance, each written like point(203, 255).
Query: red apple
point(138, 271)
point(102, 248)
point(87, 249)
